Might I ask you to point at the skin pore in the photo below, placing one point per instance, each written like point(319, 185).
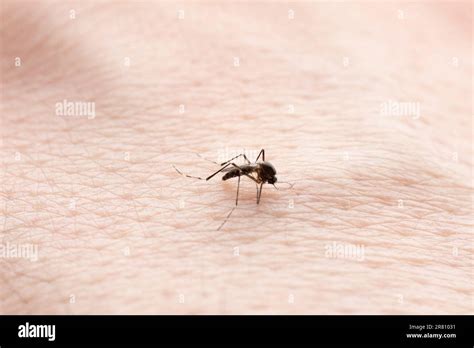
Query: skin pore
point(365, 108)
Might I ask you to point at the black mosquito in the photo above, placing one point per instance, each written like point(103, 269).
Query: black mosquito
point(260, 172)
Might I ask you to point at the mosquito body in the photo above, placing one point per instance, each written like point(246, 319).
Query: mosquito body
point(260, 172)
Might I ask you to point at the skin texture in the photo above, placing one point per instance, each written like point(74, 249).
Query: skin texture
point(119, 231)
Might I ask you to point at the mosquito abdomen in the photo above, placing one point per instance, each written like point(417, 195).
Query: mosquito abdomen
point(231, 174)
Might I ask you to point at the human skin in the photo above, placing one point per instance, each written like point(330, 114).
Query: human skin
point(120, 231)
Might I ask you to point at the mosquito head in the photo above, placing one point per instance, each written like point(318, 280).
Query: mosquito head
point(268, 172)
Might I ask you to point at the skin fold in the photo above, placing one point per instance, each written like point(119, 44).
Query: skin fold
point(118, 230)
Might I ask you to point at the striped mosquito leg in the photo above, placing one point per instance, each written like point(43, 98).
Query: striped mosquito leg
point(186, 175)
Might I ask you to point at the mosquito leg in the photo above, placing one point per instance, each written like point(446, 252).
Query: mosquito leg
point(242, 154)
point(259, 194)
point(262, 153)
point(186, 175)
point(220, 170)
point(227, 218)
point(237, 197)
point(206, 159)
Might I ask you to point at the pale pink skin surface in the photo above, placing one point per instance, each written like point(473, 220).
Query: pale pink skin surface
point(350, 163)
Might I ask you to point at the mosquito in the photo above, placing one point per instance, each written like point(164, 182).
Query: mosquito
point(260, 172)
